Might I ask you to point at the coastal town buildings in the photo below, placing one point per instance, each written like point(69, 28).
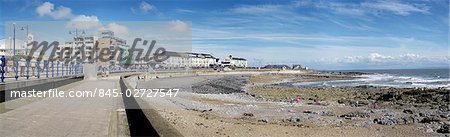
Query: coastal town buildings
point(7, 47)
point(234, 62)
point(107, 41)
point(64, 50)
point(191, 60)
point(176, 60)
point(202, 60)
point(2, 47)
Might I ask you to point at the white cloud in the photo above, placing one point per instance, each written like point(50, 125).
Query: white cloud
point(84, 22)
point(76, 22)
point(374, 7)
point(397, 7)
point(145, 7)
point(119, 30)
point(48, 9)
point(300, 3)
point(354, 26)
point(257, 9)
point(379, 60)
point(179, 25)
point(342, 8)
point(273, 14)
point(376, 57)
point(185, 11)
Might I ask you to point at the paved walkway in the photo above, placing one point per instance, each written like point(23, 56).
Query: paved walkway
point(66, 116)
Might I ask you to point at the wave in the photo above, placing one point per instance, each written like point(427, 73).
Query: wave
point(384, 80)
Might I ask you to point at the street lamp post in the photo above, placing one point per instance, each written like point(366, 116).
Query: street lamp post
point(26, 48)
point(28, 60)
point(76, 38)
point(14, 39)
point(26, 51)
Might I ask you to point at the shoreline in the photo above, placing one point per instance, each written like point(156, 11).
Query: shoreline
point(407, 100)
point(221, 105)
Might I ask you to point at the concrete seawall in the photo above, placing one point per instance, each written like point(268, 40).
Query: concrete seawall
point(141, 114)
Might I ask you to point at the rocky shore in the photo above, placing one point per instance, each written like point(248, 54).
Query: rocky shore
point(429, 108)
point(258, 105)
point(224, 85)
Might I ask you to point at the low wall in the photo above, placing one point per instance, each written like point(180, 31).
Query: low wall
point(143, 120)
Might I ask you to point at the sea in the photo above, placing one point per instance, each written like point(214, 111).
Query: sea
point(399, 78)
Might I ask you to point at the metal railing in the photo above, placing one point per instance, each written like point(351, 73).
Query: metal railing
point(22, 68)
point(27, 69)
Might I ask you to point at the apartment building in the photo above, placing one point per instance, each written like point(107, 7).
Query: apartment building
point(76, 45)
point(176, 60)
point(202, 60)
point(189, 60)
point(107, 40)
point(234, 62)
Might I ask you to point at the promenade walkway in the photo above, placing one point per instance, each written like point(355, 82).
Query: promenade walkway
point(96, 116)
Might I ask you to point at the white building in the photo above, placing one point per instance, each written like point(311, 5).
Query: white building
point(231, 61)
point(177, 60)
point(76, 44)
point(7, 47)
point(201, 60)
point(2, 47)
point(107, 40)
point(189, 60)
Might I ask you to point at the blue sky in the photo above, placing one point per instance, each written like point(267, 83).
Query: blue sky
point(373, 34)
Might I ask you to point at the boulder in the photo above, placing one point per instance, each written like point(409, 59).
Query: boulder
point(357, 114)
point(445, 128)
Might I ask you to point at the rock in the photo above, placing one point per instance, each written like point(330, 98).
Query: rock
point(444, 107)
point(443, 114)
point(366, 125)
point(263, 120)
point(445, 128)
point(407, 120)
point(363, 124)
point(338, 121)
point(429, 130)
point(294, 119)
point(429, 119)
point(224, 85)
point(395, 121)
point(356, 114)
point(422, 114)
point(327, 113)
point(390, 96)
point(203, 111)
point(385, 121)
point(387, 113)
point(408, 111)
point(198, 124)
point(343, 101)
point(248, 114)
